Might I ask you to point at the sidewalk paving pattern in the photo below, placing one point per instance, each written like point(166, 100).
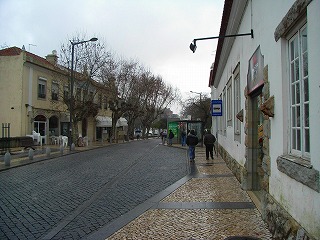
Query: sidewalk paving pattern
point(207, 204)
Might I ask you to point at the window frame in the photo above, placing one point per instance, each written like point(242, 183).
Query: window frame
point(237, 102)
point(296, 104)
point(229, 103)
point(224, 126)
point(55, 87)
point(42, 91)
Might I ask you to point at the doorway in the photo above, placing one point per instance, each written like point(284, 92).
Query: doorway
point(255, 144)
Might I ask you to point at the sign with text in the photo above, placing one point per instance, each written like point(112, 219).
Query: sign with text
point(216, 107)
point(255, 71)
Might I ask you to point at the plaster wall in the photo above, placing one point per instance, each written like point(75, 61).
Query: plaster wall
point(301, 202)
point(11, 92)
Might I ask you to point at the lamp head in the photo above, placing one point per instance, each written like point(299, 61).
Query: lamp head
point(93, 39)
point(193, 46)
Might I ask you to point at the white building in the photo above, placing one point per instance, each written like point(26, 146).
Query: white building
point(269, 133)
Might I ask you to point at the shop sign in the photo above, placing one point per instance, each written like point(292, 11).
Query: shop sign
point(255, 71)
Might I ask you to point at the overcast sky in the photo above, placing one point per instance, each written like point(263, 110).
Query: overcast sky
point(156, 32)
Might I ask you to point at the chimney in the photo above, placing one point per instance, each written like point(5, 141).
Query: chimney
point(52, 58)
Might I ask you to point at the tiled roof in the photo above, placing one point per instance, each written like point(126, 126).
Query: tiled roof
point(15, 51)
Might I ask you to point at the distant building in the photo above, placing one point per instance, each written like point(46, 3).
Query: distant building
point(32, 90)
point(269, 131)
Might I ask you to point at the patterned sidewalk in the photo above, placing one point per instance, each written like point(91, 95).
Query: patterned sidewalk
point(210, 204)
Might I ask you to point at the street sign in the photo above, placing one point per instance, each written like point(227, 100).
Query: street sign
point(216, 107)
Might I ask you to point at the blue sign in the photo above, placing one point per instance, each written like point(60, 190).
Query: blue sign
point(216, 107)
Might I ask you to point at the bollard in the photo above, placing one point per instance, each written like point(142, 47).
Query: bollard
point(7, 159)
point(61, 149)
point(73, 147)
point(48, 151)
point(31, 153)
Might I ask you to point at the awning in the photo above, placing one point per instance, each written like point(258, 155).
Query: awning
point(122, 122)
point(103, 121)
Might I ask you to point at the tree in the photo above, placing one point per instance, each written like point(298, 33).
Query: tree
point(89, 61)
point(198, 109)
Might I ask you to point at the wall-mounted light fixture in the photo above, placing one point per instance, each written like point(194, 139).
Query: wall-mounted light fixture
point(193, 45)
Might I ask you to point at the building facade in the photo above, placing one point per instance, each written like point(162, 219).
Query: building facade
point(32, 90)
point(269, 131)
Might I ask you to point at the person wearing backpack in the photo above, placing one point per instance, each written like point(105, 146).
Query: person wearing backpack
point(209, 140)
point(192, 141)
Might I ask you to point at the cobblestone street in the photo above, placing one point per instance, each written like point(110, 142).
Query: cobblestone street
point(74, 195)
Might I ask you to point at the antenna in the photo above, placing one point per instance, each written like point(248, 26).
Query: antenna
point(31, 45)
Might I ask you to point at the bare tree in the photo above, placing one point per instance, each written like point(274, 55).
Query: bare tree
point(198, 109)
point(89, 61)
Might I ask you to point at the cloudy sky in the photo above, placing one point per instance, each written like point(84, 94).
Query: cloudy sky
point(156, 32)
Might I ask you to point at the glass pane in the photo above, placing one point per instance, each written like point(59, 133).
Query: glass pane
point(298, 140)
point(293, 117)
point(294, 142)
point(306, 89)
point(293, 94)
point(306, 115)
point(298, 116)
point(307, 143)
point(297, 93)
point(297, 73)
point(296, 48)
point(292, 72)
point(292, 50)
point(305, 64)
point(304, 37)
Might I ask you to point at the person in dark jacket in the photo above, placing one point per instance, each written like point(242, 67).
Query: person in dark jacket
point(171, 136)
point(209, 141)
point(192, 141)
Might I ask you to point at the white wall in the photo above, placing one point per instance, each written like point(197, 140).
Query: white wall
point(299, 200)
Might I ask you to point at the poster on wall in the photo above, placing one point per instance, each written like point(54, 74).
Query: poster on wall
point(255, 71)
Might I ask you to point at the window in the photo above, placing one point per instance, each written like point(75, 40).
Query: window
point(237, 102)
point(42, 83)
point(54, 91)
point(100, 101)
point(65, 92)
point(229, 103)
point(224, 125)
point(221, 119)
point(105, 102)
point(299, 94)
point(78, 97)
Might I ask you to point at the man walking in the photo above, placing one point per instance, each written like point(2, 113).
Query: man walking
point(171, 136)
point(209, 141)
point(192, 141)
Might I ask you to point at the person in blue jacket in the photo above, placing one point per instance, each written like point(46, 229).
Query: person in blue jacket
point(192, 141)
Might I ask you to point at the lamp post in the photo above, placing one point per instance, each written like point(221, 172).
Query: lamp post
point(72, 84)
point(197, 93)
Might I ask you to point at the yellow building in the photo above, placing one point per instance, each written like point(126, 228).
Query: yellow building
point(32, 91)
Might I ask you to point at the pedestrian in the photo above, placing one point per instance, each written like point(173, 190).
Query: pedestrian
point(192, 140)
point(170, 137)
point(209, 140)
point(183, 137)
point(164, 137)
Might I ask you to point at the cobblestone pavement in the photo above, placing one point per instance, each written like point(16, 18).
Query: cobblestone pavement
point(73, 196)
point(209, 204)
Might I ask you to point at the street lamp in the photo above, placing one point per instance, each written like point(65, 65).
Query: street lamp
point(72, 84)
point(197, 93)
